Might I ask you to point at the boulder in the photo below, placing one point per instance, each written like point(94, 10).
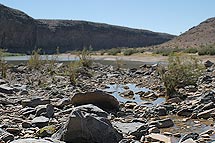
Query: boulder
point(98, 98)
point(158, 137)
point(87, 124)
point(45, 110)
point(185, 112)
point(205, 114)
point(193, 136)
point(208, 64)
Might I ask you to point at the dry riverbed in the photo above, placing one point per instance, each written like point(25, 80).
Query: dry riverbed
point(106, 104)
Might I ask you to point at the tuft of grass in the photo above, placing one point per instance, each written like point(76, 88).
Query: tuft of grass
point(180, 71)
point(114, 51)
point(3, 64)
point(35, 61)
point(73, 69)
point(85, 58)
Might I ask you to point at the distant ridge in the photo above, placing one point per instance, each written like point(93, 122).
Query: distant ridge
point(21, 33)
point(202, 34)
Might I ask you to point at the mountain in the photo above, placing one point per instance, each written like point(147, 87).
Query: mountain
point(21, 33)
point(202, 34)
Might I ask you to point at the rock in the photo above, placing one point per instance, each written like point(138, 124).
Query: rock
point(34, 102)
point(40, 121)
point(98, 98)
point(207, 97)
point(88, 123)
point(127, 93)
point(5, 136)
point(164, 123)
point(193, 136)
point(158, 137)
point(130, 105)
point(208, 106)
point(129, 141)
point(45, 110)
point(185, 112)
point(14, 131)
point(205, 114)
point(174, 100)
point(6, 89)
point(190, 140)
point(63, 102)
point(31, 140)
point(26, 124)
point(208, 64)
point(46, 131)
point(161, 111)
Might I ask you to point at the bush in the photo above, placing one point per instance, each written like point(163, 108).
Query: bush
point(35, 61)
point(191, 50)
point(167, 51)
point(3, 64)
point(207, 50)
point(85, 58)
point(180, 72)
point(129, 52)
point(114, 51)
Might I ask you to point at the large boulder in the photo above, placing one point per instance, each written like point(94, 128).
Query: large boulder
point(88, 124)
point(98, 98)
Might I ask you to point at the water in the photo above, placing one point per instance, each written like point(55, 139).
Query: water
point(117, 89)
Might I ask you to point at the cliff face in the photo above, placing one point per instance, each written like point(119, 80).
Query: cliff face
point(21, 33)
point(17, 30)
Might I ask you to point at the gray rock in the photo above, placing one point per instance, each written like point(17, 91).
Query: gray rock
point(185, 112)
point(136, 129)
point(205, 114)
point(35, 102)
point(165, 123)
point(193, 136)
point(40, 121)
point(161, 111)
point(45, 110)
point(208, 64)
point(6, 89)
point(98, 98)
point(87, 124)
point(31, 140)
point(5, 136)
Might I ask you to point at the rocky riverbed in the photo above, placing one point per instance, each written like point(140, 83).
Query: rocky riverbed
point(106, 104)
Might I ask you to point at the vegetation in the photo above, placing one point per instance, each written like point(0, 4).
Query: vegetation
point(167, 51)
point(180, 71)
point(114, 51)
point(3, 64)
point(130, 51)
point(85, 58)
point(119, 63)
point(35, 60)
point(191, 50)
point(207, 50)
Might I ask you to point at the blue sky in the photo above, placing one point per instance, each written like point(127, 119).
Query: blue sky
point(169, 16)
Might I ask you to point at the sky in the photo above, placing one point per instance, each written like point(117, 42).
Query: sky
point(167, 16)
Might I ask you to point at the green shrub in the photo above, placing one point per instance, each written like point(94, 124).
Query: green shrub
point(207, 50)
point(129, 52)
point(167, 51)
point(114, 51)
point(35, 61)
point(73, 69)
point(85, 58)
point(180, 71)
point(3, 64)
point(191, 50)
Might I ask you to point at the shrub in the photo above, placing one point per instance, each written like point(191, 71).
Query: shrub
point(3, 64)
point(129, 52)
point(180, 71)
point(167, 51)
point(207, 50)
point(114, 51)
point(191, 50)
point(73, 71)
point(35, 60)
point(85, 58)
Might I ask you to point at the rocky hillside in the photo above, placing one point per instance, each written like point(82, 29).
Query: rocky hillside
point(21, 33)
point(203, 34)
